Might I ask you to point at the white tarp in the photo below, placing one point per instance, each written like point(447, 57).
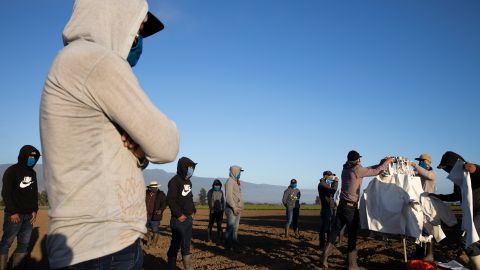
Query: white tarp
point(462, 178)
point(391, 204)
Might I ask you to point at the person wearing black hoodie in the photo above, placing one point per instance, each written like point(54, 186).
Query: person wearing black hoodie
point(216, 206)
point(182, 208)
point(447, 163)
point(20, 195)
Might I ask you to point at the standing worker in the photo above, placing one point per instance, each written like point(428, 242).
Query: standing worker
point(156, 202)
point(428, 177)
point(291, 201)
point(99, 130)
point(182, 208)
point(447, 163)
point(326, 190)
point(347, 211)
point(233, 207)
point(20, 195)
point(216, 206)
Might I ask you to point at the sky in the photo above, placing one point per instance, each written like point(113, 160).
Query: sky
point(282, 88)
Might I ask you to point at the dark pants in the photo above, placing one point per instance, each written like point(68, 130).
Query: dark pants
point(474, 249)
point(346, 215)
point(22, 231)
point(154, 225)
point(327, 216)
point(292, 217)
point(215, 217)
point(181, 237)
point(129, 258)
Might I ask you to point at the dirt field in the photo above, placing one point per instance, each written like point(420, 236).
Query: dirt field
point(265, 247)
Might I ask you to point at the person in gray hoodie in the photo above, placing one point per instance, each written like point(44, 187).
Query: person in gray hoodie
point(98, 131)
point(233, 207)
point(291, 201)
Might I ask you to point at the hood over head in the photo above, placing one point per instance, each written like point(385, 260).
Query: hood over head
point(112, 24)
point(217, 182)
point(26, 151)
point(448, 161)
point(182, 166)
point(234, 170)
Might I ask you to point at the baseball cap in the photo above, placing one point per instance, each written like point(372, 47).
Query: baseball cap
point(151, 26)
point(424, 156)
point(353, 155)
point(153, 184)
point(328, 173)
point(293, 181)
point(449, 159)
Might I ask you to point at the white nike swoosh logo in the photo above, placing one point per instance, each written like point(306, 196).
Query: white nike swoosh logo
point(185, 192)
point(24, 185)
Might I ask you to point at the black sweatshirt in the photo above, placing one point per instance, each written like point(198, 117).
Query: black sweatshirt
point(20, 190)
point(457, 192)
point(179, 196)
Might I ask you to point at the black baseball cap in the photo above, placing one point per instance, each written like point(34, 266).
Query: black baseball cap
point(293, 181)
point(151, 26)
point(353, 155)
point(449, 159)
point(328, 173)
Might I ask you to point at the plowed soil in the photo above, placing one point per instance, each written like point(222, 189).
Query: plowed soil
point(265, 247)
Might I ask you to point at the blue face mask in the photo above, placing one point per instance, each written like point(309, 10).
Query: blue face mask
point(135, 52)
point(423, 165)
point(216, 188)
point(238, 176)
point(293, 185)
point(31, 161)
point(189, 172)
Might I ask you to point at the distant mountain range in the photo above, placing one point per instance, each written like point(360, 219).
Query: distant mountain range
point(255, 193)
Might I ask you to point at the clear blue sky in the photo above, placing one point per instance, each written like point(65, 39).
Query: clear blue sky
point(283, 88)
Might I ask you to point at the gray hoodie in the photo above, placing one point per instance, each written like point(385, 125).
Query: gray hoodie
point(95, 187)
point(233, 193)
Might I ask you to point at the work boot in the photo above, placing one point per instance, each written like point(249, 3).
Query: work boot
point(286, 232)
point(352, 261)
point(475, 262)
point(3, 261)
point(297, 234)
point(17, 260)
point(429, 257)
point(172, 263)
point(209, 234)
point(326, 253)
point(187, 262)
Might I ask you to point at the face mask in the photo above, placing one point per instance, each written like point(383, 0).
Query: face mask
point(423, 165)
point(152, 189)
point(329, 182)
point(135, 52)
point(293, 185)
point(216, 188)
point(189, 172)
point(31, 161)
point(238, 176)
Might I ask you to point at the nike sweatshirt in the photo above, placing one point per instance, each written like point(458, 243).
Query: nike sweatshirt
point(179, 196)
point(19, 189)
point(91, 96)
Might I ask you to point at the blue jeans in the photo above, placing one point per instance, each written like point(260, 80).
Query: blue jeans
point(22, 231)
point(181, 237)
point(233, 223)
point(292, 217)
point(154, 225)
point(129, 258)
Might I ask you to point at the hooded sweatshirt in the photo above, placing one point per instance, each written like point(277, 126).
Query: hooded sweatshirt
point(216, 202)
point(179, 196)
point(233, 193)
point(91, 95)
point(20, 190)
point(352, 178)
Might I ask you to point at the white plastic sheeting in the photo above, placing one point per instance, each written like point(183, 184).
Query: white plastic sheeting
point(392, 203)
